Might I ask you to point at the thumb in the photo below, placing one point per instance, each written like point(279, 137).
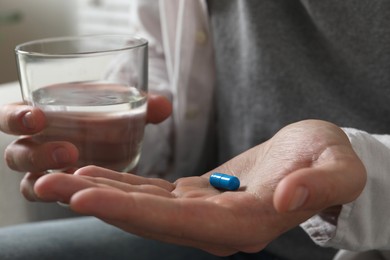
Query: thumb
point(319, 188)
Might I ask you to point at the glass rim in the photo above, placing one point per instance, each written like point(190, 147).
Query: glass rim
point(141, 42)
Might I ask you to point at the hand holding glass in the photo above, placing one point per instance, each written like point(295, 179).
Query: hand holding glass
point(93, 91)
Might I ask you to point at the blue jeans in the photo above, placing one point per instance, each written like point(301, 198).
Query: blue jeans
point(89, 238)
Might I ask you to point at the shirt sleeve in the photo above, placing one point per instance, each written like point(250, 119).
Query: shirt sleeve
point(363, 224)
point(157, 147)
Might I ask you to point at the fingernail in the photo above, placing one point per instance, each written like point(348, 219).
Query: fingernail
point(28, 120)
point(61, 155)
point(299, 198)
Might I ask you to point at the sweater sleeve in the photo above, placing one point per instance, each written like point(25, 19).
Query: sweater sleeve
point(363, 224)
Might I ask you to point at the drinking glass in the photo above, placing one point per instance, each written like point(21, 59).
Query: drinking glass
point(93, 91)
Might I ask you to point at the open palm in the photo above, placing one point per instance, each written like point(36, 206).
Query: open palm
point(305, 168)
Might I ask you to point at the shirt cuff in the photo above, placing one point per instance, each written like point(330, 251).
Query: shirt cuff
point(362, 224)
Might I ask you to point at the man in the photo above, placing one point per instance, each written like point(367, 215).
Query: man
point(269, 54)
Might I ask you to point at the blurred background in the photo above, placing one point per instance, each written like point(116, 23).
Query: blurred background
point(26, 20)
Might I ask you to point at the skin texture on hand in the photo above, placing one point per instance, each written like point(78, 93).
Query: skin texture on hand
point(307, 168)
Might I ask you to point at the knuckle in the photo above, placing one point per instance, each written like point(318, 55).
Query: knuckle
point(10, 122)
point(9, 158)
point(90, 168)
point(86, 170)
point(26, 188)
point(34, 161)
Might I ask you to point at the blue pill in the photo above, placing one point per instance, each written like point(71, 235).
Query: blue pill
point(224, 181)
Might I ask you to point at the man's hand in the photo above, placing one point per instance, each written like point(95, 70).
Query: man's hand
point(306, 168)
point(28, 155)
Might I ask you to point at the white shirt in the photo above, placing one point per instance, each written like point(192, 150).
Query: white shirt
point(182, 66)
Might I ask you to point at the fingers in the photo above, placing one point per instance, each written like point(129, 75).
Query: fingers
point(191, 222)
point(145, 224)
point(139, 208)
point(19, 119)
point(94, 171)
point(26, 155)
point(320, 188)
point(61, 187)
point(196, 219)
point(159, 108)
